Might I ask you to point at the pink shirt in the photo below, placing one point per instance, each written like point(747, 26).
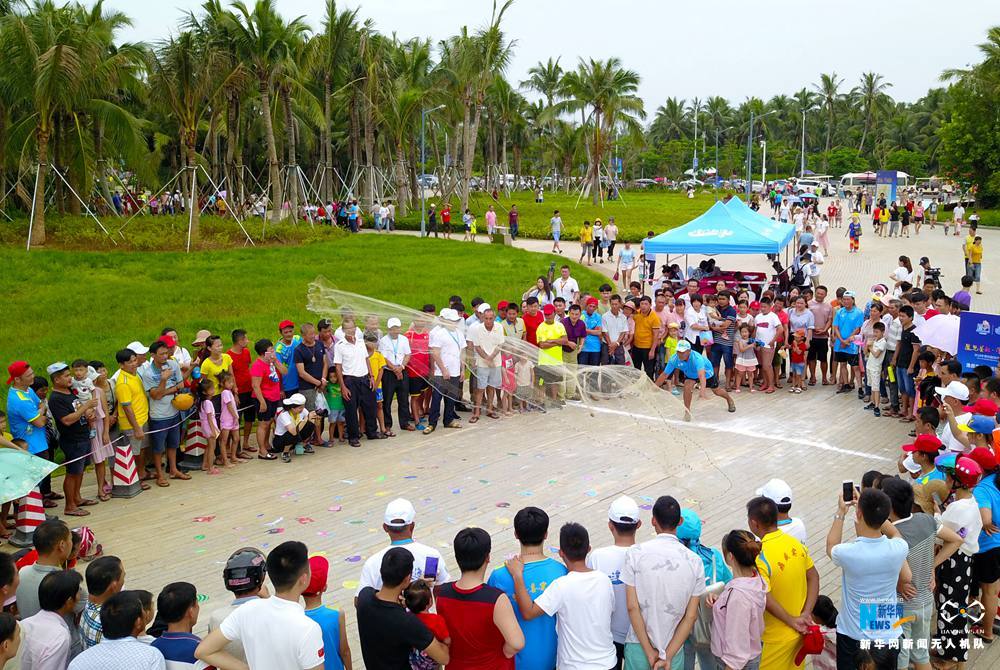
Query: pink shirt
point(491, 218)
point(207, 417)
point(230, 419)
point(738, 621)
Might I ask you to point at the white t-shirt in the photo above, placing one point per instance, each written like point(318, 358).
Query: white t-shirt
point(566, 289)
point(352, 357)
point(610, 561)
point(876, 355)
point(276, 634)
point(371, 571)
point(583, 603)
point(959, 213)
point(556, 223)
point(452, 344)
point(767, 327)
point(947, 437)
point(394, 350)
point(220, 614)
point(338, 334)
point(284, 419)
point(489, 341)
point(692, 318)
point(962, 516)
point(613, 325)
point(817, 256)
point(795, 528)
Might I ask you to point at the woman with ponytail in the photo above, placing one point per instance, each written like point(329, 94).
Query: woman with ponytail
point(738, 612)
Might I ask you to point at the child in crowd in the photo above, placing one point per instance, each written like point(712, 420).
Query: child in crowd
point(746, 357)
point(508, 383)
point(209, 428)
point(148, 614)
point(825, 614)
point(418, 598)
point(797, 355)
point(670, 348)
point(854, 233)
point(377, 362)
point(82, 385)
point(229, 420)
point(333, 623)
point(524, 375)
point(335, 405)
point(875, 354)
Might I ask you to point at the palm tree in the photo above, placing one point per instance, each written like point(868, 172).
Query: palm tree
point(870, 96)
point(565, 143)
point(263, 42)
point(670, 122)
point(545, 79)
point(605, 93)
point(829, 91)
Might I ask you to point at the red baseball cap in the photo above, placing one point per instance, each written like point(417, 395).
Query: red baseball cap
point(548, 309)
point(592, 301)
point(169, 341)
point(983, 406)
point(502, 305)
point(16, 369)
point(929, 444)
point(812, 643)
point(755, 305)
point(285, 324)
point(319, 568)
point(985, 457)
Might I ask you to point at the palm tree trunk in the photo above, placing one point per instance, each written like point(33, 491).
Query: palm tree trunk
point(401, 201)
point(369, 152)
point(232, 176)
point(411, 185)
point(102, 164)
point(470, 129)
point(355, 135)
point(293, 169)
point(38, 228)
point(192, 163)
point(272, 151)
point(327, 140)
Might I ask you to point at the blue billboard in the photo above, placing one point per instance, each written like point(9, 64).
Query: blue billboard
point(978, 340)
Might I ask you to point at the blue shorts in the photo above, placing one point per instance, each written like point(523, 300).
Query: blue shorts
point(378, 394)
point(555, 235)
point(170, 438)
point(798, 368)
point(335, 415)
point(904, 381)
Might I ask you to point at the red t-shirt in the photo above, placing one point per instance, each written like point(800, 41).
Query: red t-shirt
point(476, 642)
point(446, 215)
point(270, 379)
point(435, 624)
point(831, 211)
point(531, 324)
point(799, 352)
point(420, 357)
point(930, 312)
point(241, 370)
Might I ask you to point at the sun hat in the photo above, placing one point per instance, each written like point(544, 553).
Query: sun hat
point(448, 314)
point(624, 510)
point(954, 389)
point(201, 336)
point(911, 465)
point(977, 423)
point(984, 457)
point(16, 369)
point(295, 400)
point(683, 346)
point(137, 348)
point(399, 513)
point(393, 323)
point(848, 294)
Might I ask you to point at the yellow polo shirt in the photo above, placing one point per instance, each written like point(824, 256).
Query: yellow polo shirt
point(129, 391)
point(550, 331)
point(783, 563)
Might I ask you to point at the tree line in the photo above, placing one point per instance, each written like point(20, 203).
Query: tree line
point(241, 98)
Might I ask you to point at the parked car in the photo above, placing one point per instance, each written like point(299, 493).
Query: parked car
point(428, 180)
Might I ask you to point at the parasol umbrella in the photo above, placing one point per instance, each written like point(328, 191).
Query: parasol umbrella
point(791, 199)
point(20, 472)
point(808, 196)
point(940, 332)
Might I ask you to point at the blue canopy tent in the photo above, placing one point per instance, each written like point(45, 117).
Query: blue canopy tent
point(782, 233)
point(724, 229)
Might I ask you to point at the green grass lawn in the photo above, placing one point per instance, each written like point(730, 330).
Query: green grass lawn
point(64, 304)
point(636, 213)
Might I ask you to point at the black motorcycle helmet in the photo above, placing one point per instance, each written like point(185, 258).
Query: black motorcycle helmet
point(245, 570)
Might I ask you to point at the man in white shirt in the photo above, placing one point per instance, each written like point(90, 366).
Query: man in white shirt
point(395, 381)
point(121, 623)
point(781, 493)
point(664, 581)
point(398, 524)
point(446, 343)
point(582, 601)
point(244, 576)
point(354, 375)
point(623, 522)
point(614, 325)
point(275, 632)
point(46, 635)
point(566, 287)
point(486, 338)
point(555, 223)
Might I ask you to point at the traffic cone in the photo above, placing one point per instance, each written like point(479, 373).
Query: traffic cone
point(194, 446)
point(30, 515)
point(125, 480)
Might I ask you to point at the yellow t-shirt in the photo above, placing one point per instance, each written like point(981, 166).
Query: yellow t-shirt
point(967, 247)
point(377, 361)
point(645, 326)
point(209, 370)
point(129, 391)
point(783, 563)
point(976, 253)
point(586, 234)
point(550, 331)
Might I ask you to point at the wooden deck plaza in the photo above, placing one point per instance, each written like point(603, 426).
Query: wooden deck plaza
point(572, 463)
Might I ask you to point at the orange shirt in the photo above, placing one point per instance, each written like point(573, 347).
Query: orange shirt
point(645, 327)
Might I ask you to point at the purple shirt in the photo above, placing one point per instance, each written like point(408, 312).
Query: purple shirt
point(574, 333)
point(963, 298)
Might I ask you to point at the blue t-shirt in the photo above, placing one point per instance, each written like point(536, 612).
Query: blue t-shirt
point(847, 321)
point(286, 354)
point(540, 639)
point(178, 648)
point(352, 212)
point(329, 622)
point(626, 256)
point(592, 321)
point(988, 497)
point(22, 408)
point(690, 367)
point(870, 568)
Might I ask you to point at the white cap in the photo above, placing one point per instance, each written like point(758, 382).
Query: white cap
point(393, 323)
point(295, 400)
point(448, 314)
point(777, 490)
point(954, 389)
point(399, 513)
point(137, 348)
point(58, 366)
point(483, 306)
point(624, 510)
point(911, 465)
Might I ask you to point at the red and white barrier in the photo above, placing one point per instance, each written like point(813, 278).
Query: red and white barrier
point(30, 515)
point(125, 479)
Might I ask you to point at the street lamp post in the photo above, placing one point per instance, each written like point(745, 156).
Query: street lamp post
point(423, 168)
point(802, 165)
point(763, 164)
point(750, 151)
point(717, 159)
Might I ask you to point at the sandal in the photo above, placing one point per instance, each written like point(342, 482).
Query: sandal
point(49, 504)
point(86, 502)
point(474, 419)
point(77, 512)
point(103, 497)
point(143, 485)
point(162, 483)
point(181, 475)
point(493, 415)
point(389, 433)
point(267, 457)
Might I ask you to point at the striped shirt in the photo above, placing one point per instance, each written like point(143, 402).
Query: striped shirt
point(919, 530)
